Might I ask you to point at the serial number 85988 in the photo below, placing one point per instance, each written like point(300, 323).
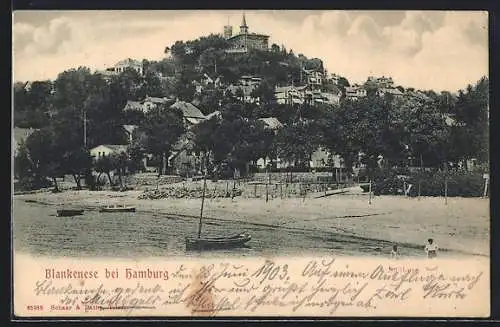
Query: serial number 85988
point(36, 307)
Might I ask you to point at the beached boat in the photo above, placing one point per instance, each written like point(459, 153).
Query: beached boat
point(69, 212)
point(118, 208)
point(211, 243)
point(208, 243)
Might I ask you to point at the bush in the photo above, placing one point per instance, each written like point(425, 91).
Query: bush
point(30, 183)
point(432, 183)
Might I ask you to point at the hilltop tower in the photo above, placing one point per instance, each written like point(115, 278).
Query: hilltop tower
point(243, 26)
point(243, 41)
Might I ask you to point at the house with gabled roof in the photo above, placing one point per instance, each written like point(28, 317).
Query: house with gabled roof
point(192, 115)
point(271, 123)
point(147, 104)
point(355, 92)
point(134, 105)
point(153, 102)
point(122, 66)
point(246, 91)
point(207, 80)
point(290, 94)
point(392, 91)
point(129, 63)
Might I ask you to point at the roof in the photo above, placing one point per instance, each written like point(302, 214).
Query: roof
point(244, 22)
point(248, 34)
point(113, 147)
point(215, 113)
point(422, 95)
point(272, 122)
point(208, 77)
point(133, 105)
point(129, 62)
point(188, 110)
point(155, 100)
point(392, 91)
point(193, 121)
point(283, 89)
point(450, 121)
point(107, 72)
point(130, 128)
point(250, 77)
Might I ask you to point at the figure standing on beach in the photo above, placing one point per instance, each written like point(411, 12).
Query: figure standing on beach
point(431, 248)
point(395, 252)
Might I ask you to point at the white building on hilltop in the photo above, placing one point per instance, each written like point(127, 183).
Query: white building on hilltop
point(122, 66)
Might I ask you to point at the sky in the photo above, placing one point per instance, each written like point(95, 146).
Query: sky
point(438, 50)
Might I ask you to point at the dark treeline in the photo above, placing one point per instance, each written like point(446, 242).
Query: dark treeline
point(438, 129)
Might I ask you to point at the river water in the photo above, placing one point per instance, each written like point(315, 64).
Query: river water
point(37, 230)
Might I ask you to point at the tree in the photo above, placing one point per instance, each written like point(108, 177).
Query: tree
point(76, 163)
point(343, 82)
point(427, 135)
point(133, 117)
point(296, 143)
point(152, 85)
point(209, 142)
point(162, 127)
point(46, 159)
point(120, 163)
point(136, 153)
point(104, 165)
point(471, 114)
point(128, 85)
point(210, 99)
point(249, 142)
point(264, 92)
point(183, 86)
point(232, 139)
point(371, 88)
point(104, 110)
point(22, 163)
point(33, 104)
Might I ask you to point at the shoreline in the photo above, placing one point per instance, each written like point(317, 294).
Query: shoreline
point(349, 216)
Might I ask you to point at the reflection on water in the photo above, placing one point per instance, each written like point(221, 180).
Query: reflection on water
point(37, 230)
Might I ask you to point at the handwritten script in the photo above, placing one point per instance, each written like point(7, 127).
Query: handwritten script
point(324, 286)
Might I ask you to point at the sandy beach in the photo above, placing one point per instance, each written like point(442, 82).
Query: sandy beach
point(461, 226)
